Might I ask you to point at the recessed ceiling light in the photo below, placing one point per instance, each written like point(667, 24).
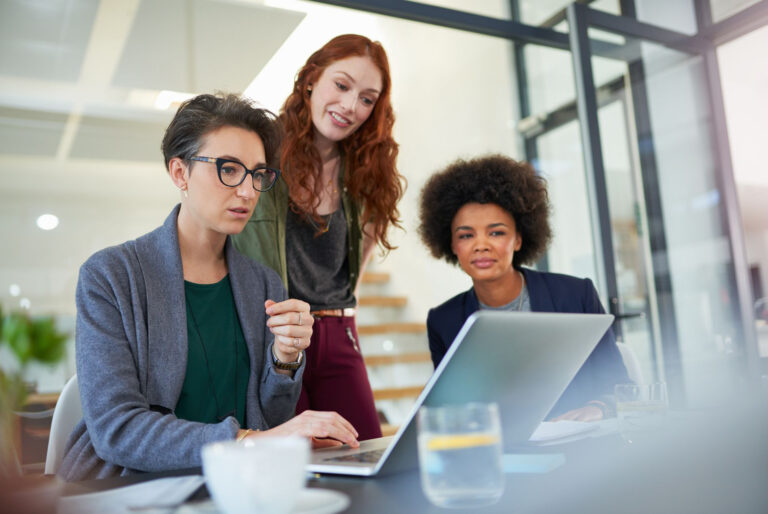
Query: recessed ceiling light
point(15, 290)
point(48, 221)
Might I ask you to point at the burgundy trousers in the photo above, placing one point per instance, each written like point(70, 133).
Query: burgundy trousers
point(335, 378)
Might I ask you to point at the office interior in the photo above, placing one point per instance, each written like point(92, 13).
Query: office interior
point(645, 116)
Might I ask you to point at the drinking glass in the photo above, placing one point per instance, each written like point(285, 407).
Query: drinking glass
point(641, 410)
point(460, 454)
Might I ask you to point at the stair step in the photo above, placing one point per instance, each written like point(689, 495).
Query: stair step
point(388, 328)
point(374, 277)
point(398, 358)
point(387, 429)
point(396, 393)
point(382, 301)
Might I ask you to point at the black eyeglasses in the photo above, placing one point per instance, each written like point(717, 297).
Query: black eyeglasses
point(232, 173)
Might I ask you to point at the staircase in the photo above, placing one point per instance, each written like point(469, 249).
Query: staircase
point(396, 351)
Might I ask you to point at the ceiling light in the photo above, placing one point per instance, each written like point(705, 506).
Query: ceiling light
point(48, 221)
point(24, 303)
point(15, 290)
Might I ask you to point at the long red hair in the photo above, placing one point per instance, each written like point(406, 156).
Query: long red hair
point(372, 178)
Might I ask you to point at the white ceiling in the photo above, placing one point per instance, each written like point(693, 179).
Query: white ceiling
point(79, 131)
point(78, 78)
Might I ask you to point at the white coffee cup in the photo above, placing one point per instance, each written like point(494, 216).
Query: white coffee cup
point(262, 474)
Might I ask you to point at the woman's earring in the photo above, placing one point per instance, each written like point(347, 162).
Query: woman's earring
point(309, 89)
point(186, 195)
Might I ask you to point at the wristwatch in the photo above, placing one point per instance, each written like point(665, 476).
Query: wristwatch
point(290, 366)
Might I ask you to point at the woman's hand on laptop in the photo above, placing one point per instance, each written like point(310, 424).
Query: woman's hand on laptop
point(324, 428)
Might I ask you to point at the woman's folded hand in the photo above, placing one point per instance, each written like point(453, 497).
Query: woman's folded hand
point(291, 323)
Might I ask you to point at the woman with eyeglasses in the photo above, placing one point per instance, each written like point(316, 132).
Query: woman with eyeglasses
point(490, 216)
point(181, 340)
point(319, 226)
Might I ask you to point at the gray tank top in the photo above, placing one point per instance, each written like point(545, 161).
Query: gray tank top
point(520, 304)
point(317, 264)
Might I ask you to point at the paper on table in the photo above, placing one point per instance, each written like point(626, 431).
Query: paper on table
point(551, 430)
point(163, 491)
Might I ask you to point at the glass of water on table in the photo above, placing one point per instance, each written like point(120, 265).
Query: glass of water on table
point(460, 454)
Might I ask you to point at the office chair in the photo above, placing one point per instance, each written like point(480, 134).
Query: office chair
point(631, 362)
point(67, 413)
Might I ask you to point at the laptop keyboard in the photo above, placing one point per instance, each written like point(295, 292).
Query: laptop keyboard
point(369, 456)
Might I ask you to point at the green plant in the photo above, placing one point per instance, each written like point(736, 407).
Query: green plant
point(30, 339)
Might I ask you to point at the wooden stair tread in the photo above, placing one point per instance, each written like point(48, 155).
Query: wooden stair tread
point(395, 393)
point(386, 328)
point(387, 429)
point(397, 358)
point(382, 301)
point(375, 277)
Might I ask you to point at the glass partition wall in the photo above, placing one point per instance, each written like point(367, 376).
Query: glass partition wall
point(625, 119)
point(672, 261)
point(650, 219)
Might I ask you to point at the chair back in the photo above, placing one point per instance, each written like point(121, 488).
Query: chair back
point(631, 362)
point(66, 415)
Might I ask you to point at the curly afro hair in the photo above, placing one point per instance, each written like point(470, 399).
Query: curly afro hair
point(512, 185)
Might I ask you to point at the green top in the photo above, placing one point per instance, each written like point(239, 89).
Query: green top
point(263, 238)
point(218, 364)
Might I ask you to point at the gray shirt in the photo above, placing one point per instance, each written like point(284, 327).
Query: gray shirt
point(317, 260)
point(520, 304)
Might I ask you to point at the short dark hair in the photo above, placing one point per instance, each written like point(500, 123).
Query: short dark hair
point(514, 186)
point(203, 114)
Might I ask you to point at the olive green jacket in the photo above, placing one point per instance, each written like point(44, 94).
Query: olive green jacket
point(263, 238)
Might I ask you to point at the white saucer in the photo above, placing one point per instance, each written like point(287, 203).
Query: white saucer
point(311, 501)
point(320, 501)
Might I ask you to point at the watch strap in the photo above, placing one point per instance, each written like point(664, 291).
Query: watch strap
point(290, 366)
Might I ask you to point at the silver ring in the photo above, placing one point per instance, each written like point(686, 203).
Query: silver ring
point(299, 318)
point(296, 342)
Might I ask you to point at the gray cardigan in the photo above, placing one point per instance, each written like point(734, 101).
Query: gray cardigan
point(131, 355)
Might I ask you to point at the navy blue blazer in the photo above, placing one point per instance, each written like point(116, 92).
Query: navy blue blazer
point(548, 292)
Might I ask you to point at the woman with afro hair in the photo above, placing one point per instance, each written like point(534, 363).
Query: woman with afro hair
point(490, 215)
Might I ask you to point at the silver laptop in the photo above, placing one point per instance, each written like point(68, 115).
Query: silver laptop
point(523, 361)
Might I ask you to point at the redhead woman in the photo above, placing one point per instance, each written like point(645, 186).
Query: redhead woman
point(490, 216)
point(181, 340)
point(319, 226)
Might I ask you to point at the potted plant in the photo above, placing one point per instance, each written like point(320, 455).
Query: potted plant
point(29, 339)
